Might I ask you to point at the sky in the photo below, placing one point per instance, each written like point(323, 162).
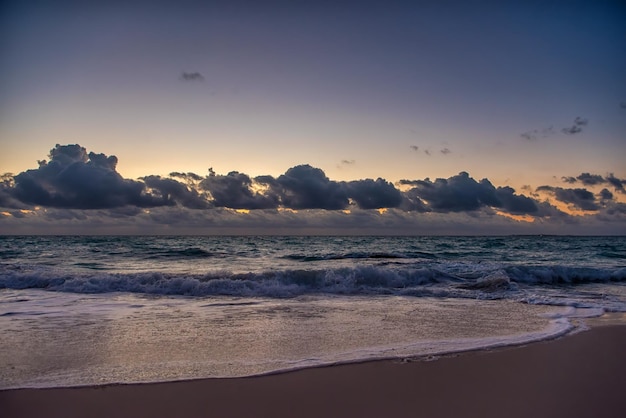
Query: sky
point(394, 117)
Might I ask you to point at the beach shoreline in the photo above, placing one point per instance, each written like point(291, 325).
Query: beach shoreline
point(578, 375)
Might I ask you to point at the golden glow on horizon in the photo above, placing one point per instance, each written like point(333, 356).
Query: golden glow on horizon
point(287, 210)
point(244, 211)
point(6, 213)
point(518, 218)
point(346, 211)
point(382, 210)
point(570, 209)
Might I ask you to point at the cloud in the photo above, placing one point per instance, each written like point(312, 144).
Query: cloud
point(74, 178)
point(590, 179)
point(193, 77)
point(234, 190)
point(306, 187)
point(595, 179)
point(576, 127)
point(344, 163)
point(538, 133)
point(414, 147)
point(187, 177)
point(455, 194)
point(76, 186)
point(515, 204)
point(580, 198)
point(462, 193)
point(605, 195)
point(615, 182)
point(173, 192)
point(445, 151)
point(374, 194)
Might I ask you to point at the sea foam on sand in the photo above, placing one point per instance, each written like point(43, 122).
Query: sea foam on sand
point(577, 376)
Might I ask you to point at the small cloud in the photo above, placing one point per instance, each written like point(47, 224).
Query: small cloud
point(576, 127)
point(605, 195)
point(580, 121)
point(195, 76)
point(414, 147)
point(538, 133)
point(345, 163)
point(590, 179)
point(427, 152)
point(446, 151)
point(572, 130)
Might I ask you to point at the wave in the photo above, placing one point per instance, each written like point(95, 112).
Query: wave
point(346, 256)
point(359, 280)
point(558, 275)
point(191, 252)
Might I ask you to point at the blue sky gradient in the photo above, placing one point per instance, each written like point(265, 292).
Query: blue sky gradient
point(523, 94)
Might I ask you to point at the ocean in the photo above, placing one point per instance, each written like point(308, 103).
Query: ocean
point(89, 310)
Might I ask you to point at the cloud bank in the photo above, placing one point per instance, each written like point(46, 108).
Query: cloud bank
point(75, 187)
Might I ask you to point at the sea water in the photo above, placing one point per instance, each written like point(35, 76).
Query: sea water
point(95, 310)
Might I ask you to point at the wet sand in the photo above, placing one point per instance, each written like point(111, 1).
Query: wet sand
point(582, 375)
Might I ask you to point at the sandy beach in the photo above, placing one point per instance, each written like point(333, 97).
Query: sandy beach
point(581, 375)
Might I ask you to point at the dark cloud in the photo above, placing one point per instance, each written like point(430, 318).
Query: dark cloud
point(187, 177)
point(617, 208)
point(194, 76)
point(74, 178)
point(456, 194)
point(306, 187)
point(370, 194)
point(348, 162)
point(615, 182)
point(581, 198)
point(594, 179)
point(605, 194)
point(234, 190)
point(427, 152)
point(405, 182)
point(7, 184)
point(576, 127)
point(463, 193)
point(445, 151)
point(414, 147)
point(590, 179)
point(515, 204)
point(411, 200)
point(173, 192)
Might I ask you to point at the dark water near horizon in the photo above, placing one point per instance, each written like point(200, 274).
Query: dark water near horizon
point(100, 309)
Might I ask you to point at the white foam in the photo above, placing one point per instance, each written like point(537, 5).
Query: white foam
point(125, 338)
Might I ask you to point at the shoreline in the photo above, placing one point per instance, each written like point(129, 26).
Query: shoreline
point(577, 375)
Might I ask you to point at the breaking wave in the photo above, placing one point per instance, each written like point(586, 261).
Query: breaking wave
point(440, 280)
